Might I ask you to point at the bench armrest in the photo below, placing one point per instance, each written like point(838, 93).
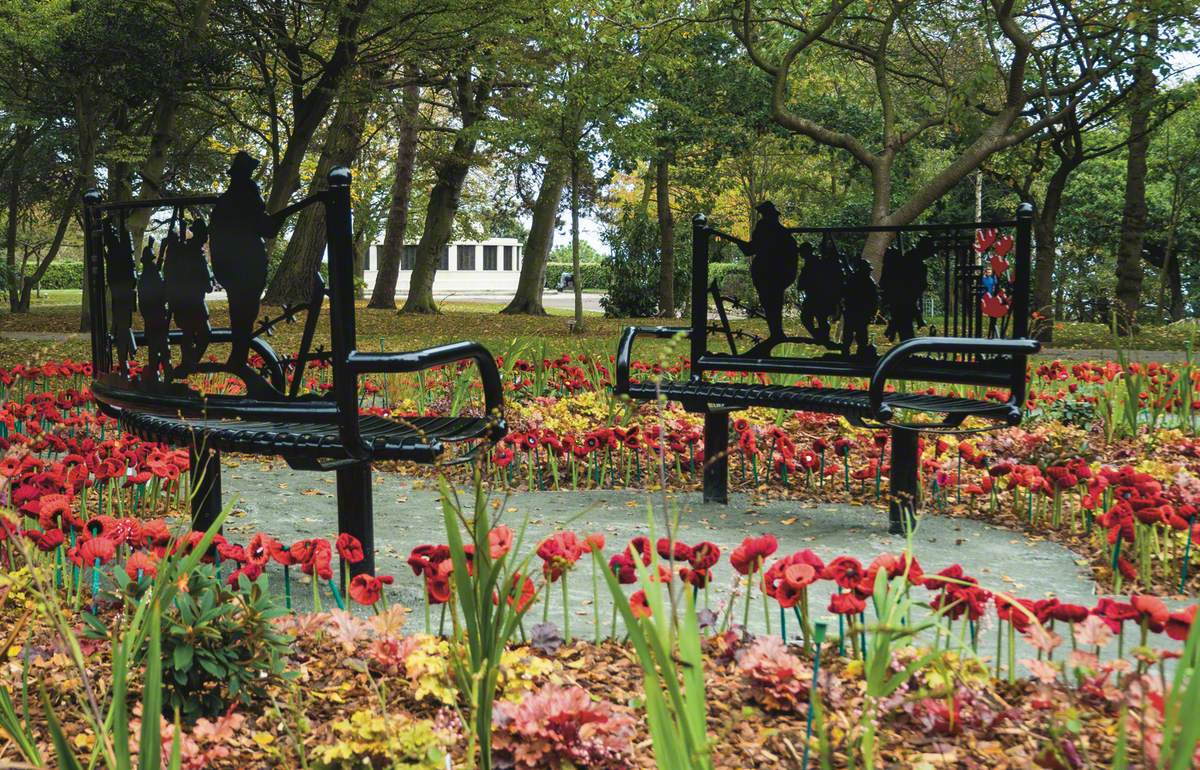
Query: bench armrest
point(899, 354)
point(625, 348)
point(359, 362)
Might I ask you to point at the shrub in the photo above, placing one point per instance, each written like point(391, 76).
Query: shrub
point(220, 644)
point(59, 275)
point(635, 260)
point(383, 740)
point(561, 727)
point(596, 275)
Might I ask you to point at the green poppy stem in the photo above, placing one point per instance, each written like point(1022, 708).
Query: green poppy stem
point(566, 610)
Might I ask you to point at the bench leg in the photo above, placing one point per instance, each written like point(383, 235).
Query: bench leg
point(902, 508)
point(716, 457)
point(356, 513)
point(205, 467)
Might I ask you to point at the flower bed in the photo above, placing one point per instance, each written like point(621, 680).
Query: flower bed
point(85, 540)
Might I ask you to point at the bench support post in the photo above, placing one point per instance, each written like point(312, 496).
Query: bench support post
point(205, 464)
point(716, 457)
point(902, 506)
point(356, 513)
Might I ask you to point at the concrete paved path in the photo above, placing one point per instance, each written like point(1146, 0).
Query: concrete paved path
point(291, 505)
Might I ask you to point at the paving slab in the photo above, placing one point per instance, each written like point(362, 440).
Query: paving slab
point(291, 505)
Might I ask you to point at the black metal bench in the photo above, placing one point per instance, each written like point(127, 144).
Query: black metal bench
point(310, 431)
point(979, 340)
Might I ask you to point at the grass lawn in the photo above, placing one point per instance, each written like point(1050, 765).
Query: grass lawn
point(58, 311)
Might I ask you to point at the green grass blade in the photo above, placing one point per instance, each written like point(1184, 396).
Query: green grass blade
point(66, 758)
point(150, 746)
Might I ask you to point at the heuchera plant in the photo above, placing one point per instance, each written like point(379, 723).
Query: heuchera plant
point(778, 680)
point(561, 727)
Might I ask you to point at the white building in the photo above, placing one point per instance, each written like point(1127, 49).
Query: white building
point(468, 267)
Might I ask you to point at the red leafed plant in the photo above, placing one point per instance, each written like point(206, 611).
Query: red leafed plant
point(779, 680)
point(561, 727)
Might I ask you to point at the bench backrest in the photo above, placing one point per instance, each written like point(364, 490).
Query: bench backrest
point(974, 276)
point(193, 245)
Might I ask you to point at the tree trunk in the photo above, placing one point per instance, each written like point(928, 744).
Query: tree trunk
point(292, 282)
point(163, 136)
point(881, 202)
point(55, 245)
point(311, 110)
point(528, 299)
point(17, 170)
point(666, 236)
point(439, 217)
point(86, 135)
point(1133, 217)
point(578, 283)
point(387, 269)
point(1045, 227)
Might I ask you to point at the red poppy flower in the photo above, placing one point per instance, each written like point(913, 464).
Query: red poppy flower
point(1179, 624)
point(848, 603)
point(91, 550)
point(519, 600)
point(682, 551)
point(258, 551)
point(46, 541)
point(349, 548)
point(1070, 613)
point(140, 561)
point(156, 532)
point(1151, 610)
point(367, 589)
point(697, 578)
point(748, 557)
point(638, 605)
point(595, 541)
point(559, 553)
point(623, 567)
point(500, 540)
point(705, 555)
point(1114, 613)
point(251, 571)
point(846, 571)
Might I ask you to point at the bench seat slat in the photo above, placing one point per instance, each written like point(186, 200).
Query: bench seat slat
point(418, 439)
point(843, 401)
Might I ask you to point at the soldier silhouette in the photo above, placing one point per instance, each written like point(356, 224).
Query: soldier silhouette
point(188, 280)
point(861, 300)
point(903, 283)
point(772, 269)
point(239, 226)
point(821, 282)
point(122, 287)
point(156, 318)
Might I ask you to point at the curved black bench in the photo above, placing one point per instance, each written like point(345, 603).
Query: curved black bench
point(968, 348)
point(320, 432)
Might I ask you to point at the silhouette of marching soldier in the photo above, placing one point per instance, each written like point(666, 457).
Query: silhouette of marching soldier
point(156, 318)
point(122, 287)
point(772, 269)
point(239, 228)
point(821, 282)
point(902, 285)
point(188, 280)
point(861, 301)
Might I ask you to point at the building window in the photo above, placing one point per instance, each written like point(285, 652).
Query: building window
point(408, 256)
point(466, 257)
point(489, 257)
point(445, 258)
point(517, 249)
point(508, 257)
